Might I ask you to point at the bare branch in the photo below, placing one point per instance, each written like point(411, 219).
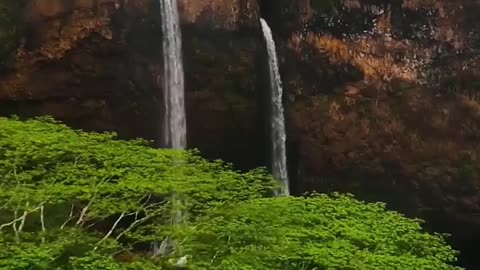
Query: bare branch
point(81, 220)
point(111, 230)
point(76, 160)
point(14, 223)
point(82, 214)
point(136, 223)
point(23, 218)
point(70, 218)
point(148, 200)
point(144, 208)
point(11, 223)
point(214, 257)
point(42, 221)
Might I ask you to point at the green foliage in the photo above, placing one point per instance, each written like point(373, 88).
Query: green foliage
point(56, 164)
point(319, 232)
point(11, 28)
point(82, 201)
point(55, 180)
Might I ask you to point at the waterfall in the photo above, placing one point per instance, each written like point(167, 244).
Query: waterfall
point(174, 124)
point(277, 118)
point(174, 121)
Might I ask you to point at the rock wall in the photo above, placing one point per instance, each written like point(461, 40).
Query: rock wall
point(382, 96)
point(221, 14)
point(96, 64)
point(223, 52)
point(383, 104)
point(76, 64)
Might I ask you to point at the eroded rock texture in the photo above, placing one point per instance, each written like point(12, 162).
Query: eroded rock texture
point(382, 96)
point(96, 64)
point(81, 63)
point(383, 104)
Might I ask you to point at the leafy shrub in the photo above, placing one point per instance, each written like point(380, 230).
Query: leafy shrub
point(69, 197)
point(81, 201)
point(319, 232)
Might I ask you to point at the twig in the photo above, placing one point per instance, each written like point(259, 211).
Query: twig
point(14, 223)
point(111, 230)
point(11, 223)
point(83, 213)
point(70, 218)
point(16, 219)
point(42, 221)
point(214, 257)
point(23, 218)
point(135, 224)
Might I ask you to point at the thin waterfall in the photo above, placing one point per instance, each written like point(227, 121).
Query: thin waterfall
point(277, 118)
point(174, 121)
point(174, 126)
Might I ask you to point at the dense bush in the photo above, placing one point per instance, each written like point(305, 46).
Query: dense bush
point(69, 197)
point(319, 232)
point(76, 200)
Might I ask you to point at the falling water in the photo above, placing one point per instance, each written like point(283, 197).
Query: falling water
point(174, 123)
point(174, 120)
point(279, 160)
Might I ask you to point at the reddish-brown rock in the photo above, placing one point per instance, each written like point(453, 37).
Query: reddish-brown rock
point(95, 64)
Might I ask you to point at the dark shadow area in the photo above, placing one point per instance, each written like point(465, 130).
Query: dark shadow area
point(225, 92)
point(267, 9)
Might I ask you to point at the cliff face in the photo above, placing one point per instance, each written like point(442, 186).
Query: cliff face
point(222, 55)
point(384, 104)
point(398, 89)
point(76, 63)
point(382, 96)
point(97, 66)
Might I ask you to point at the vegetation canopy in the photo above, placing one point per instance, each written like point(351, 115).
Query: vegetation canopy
point(67, 194)
point(76, 200)
point(318, 232)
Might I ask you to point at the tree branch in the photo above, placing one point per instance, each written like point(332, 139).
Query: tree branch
point(133, 225)
point(142, 220)
point(81, 218)
point(42, 221)
point(23, 218)
point(70, 218)
point(111, 230)
point(18, 229)
point(13, 222)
